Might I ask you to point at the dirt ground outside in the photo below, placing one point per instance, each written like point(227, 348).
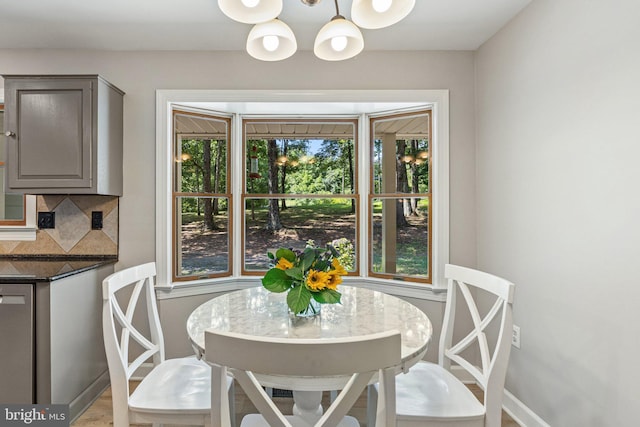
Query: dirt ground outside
point(207, 250)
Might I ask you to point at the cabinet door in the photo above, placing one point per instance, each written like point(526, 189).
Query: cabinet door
point(51, 122)
point(17, 338)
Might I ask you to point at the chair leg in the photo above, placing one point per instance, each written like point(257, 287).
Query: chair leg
point(232, 403)
point(372, 405)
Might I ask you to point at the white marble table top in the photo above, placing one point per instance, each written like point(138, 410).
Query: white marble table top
point(258, 312)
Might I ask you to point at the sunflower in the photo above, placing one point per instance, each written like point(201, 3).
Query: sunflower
point(317, 280)
point(338, 268)
point(284, 264)
point(334, 280)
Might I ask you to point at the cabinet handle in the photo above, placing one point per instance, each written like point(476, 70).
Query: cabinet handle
point(9, 133)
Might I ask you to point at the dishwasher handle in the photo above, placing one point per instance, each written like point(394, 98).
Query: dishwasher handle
point(12, 299)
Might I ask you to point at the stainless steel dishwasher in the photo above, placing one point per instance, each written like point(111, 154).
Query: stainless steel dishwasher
point(17, 343)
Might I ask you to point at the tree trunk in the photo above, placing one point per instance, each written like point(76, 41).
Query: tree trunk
point(216, 177)
point(351, 180)
point(209, 223)
point(402, 186)
point(414, 178)
point(273, 219)
point(285, 148)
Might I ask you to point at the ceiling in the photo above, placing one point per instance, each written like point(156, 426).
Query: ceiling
point(200, 25)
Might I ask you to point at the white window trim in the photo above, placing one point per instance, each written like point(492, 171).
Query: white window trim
point(25, 232)
point(437, 99)
point(22, 232)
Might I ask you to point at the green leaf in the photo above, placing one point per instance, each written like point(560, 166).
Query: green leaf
point(308, 256)
point(321, 265)
point(298, 298)
point(295, 273)
point(287, 254)
point(270, 255)
point(276, 280)
point(327, 296)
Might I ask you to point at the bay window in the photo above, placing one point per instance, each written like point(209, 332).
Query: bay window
point(249, 177)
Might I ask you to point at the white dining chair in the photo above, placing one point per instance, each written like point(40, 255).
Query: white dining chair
point(175, 391)
point(429, 394)
point(361, 359)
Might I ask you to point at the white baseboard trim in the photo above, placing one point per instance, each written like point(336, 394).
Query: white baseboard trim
point(517, 410)
point(462, 375)
point(520, 412)
point(142, 371)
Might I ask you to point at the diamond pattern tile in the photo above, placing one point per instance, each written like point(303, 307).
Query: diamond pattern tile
point(75, 226)
point(73, 234)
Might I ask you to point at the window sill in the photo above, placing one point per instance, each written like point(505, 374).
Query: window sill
point(228, 284)
point(17, 233)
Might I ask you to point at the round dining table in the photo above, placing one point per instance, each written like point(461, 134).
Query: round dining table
point(261, 313)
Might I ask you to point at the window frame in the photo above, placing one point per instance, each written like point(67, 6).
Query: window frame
point(243, 102)
point(350, 196)
point(398, 195)
point(175, 195)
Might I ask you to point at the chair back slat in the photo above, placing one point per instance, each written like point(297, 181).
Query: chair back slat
point(260, 399)
point(346, 399)
point(493, 359)
point(119, 311)
point(358, 358)
point(285, 356)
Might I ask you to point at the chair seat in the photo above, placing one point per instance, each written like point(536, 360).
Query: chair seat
point(182, 384)
point(429, 391)
point(256, 420)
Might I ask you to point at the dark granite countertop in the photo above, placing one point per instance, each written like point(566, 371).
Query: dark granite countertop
point(47, 269)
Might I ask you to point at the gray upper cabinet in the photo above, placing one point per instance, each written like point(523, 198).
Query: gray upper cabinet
point(64, 135)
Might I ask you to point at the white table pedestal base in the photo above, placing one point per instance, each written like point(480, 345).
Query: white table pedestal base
point(308, 405)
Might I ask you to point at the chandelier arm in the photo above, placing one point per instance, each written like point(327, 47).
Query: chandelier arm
point(337, 8)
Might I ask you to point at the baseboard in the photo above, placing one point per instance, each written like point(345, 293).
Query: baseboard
point(142, 371)
point(517, 410)
point(520, 412)
point(463, 375)
point(88, 396)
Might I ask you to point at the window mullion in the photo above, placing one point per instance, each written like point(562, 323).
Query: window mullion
point(237, 168)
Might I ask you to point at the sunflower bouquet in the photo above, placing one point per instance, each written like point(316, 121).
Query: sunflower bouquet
point(310, 276)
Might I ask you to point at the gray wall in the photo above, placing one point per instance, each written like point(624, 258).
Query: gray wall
point(140, 74)
point(558, 99)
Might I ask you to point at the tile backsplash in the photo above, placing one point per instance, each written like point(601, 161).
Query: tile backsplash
point(72, 234)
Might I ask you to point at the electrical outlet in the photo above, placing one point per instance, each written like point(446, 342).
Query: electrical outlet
point(46, 220)
point(515, 338)
point(96, 220)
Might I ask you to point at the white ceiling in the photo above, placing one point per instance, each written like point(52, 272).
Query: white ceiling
point(200, 25)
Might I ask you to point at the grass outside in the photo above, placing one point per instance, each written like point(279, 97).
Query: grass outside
point(320, 220)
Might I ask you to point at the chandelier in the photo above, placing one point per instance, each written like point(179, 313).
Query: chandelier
point(272, 40)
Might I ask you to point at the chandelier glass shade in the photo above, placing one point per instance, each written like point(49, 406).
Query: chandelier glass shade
point(251, 11)
point(339, 39)
point(271, 41)
point(374, 14)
